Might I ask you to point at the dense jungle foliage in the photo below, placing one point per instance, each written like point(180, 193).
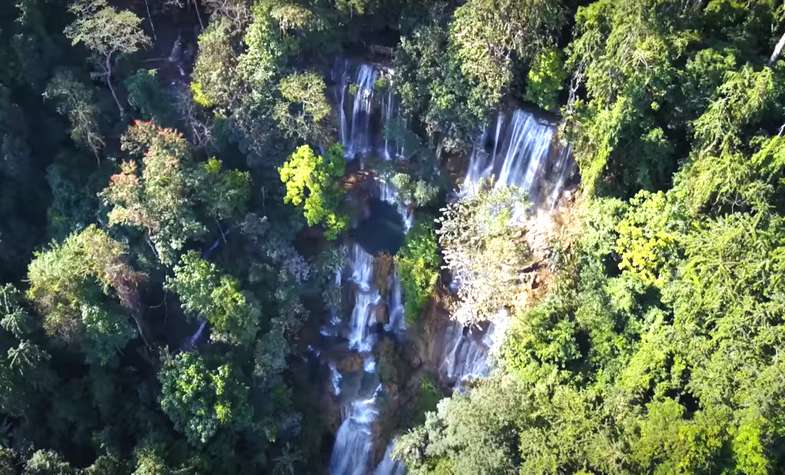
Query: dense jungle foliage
point(174, 206)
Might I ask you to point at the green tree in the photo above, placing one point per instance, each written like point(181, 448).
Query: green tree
point(418, 263)
point(303, 108)
point(225, 194)
point(75, 100)
point(214, 81)
point(86, 291)
point(205, 292)
point(167, 198)
point(489, 35)
point(432, 87)
point(413, 191)
point(546, 79)
point(312, 183)
point(25, 376)
point(486, 250)
point(48, 462)
point(8, 462)
point(149, 98)
point(201, 400)
point(108, 33)
point(159, 200)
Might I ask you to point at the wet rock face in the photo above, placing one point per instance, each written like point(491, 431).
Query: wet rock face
point(330, 412)
point(350, 362)
point(382, 315)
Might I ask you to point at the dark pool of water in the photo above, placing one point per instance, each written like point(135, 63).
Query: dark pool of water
point(381, 231)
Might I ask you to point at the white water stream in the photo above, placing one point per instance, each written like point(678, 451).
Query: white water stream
point(363, 134)
point(515, 150)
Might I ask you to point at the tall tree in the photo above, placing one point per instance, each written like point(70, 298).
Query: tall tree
point(166, 197)
point(85, 289)
point(200, 400)
point(108, 33)
point(75, 100)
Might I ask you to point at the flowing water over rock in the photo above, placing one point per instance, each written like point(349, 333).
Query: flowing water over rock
point(362, 132)
point(518, 149)
point(359, 388)
point(368, 111)
point(522, 150)
point(388, 466)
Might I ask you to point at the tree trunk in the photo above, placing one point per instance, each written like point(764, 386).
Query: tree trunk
point(140, 326)
point(150, 19)
point(777, 50)
point(109, 83)
point(198, 15)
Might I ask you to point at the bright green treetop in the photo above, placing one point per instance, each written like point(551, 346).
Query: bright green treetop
point(206, 293)
point(200, 400)
point(312, 183)
point(418, 263)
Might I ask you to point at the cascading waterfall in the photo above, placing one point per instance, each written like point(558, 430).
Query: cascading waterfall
point(521, 150)
point(467, 351)
point(396, 323)
point(362, 135)
point(518, 150)
point(389, 194)
point(354, 440)
point(368, 129)
point(360, 138)
point(388, 466)
point(393, 149)
point(367, 297)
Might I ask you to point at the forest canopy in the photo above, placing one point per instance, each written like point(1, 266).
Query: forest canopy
point(184, 185)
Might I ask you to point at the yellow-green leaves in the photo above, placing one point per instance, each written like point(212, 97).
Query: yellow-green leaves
point(546, 78)
point(312, 184)
point(200, 400)
point(646, 241)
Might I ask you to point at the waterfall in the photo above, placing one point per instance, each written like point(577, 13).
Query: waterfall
point(335, 378)
point(354, 439)
point(393, 149)
point(375, 115)
point(360, 138)
point(396, 322)
point(467, 351)
point(522, 150)
point(366, 299)
point(388, 466)
point(516, 150)
point(363, 133)
point(340, 76)
point(389, 194)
